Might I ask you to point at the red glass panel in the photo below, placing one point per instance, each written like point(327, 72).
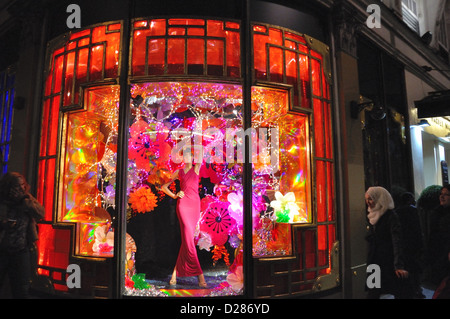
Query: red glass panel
point(44, 128)
point(71, 45)
point(215, 28)
point(331, 235)
point(58, 67)
point(291, 73)
point(196, 56)
point(318, 128)
point(322, 245)
point(330, 189)
point(157, 27)
point(83, 42)
point(112, 55)
point(96, 66)
point(82, 65)
point(232, 25)
point(260, 56)
point(48, 83)
point(321, 191)
point(187, 22)
point(215, 56)
point(40, 183)
point(328, 134)
point(304, 80)
point(316, 76)
point(49, 188)
point(175, 56)
point(275, 36)
point(54, 249)
point(141, 24)
point(80, 34)
point(53, 125)
point(276, 64)
point(114, 27)
point(176, 31)
point(68, 79)
point(156, 56)
point(196, 31)
point(233, 54)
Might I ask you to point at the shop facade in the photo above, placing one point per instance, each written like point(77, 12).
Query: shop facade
point(124, 99)
point(293, 109)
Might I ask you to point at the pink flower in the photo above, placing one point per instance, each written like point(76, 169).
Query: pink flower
point(236, 279)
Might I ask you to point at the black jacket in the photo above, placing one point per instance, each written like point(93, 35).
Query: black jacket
point(385, 248)
point(18, 223)
point(438, 246)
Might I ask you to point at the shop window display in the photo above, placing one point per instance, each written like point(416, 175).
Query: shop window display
point(173, 112)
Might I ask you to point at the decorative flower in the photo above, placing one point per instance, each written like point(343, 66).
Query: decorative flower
point(139, 281)
point(217, 222)
point(104, 239)
point(204, 241)
point(218, 252)
point(236, 279)
point(128, 282)
point(143, 200)
point(285, 207)
point(140, 150)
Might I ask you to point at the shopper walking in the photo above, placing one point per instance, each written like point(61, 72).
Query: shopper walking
point(385, 248)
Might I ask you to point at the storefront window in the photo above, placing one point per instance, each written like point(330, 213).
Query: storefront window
point(186, 108)
point(89, 170)
point(281, 187)
point(172, 120)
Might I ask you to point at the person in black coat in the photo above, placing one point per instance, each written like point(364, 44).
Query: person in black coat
point(412, 239)
point(19, 211)
point(385, 243)
point(438, 246)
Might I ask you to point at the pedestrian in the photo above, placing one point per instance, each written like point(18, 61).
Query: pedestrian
point(412, 240)
point(438, 247)
point(384, 238)
point(19, 211)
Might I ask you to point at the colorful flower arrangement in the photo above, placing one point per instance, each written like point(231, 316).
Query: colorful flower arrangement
point(143, 200)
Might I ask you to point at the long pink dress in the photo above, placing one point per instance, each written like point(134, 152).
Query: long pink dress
point(188, 212)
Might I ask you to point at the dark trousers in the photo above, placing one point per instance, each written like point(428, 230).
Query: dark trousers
point(17, 267)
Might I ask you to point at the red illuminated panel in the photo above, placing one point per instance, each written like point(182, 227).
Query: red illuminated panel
point(330, 189)
point(175, 56)
point(328, 131)
point(89, 55)
point(319, 138)
point(186, 47)
point(321, 191)
point(283, 57)
point(54, 249)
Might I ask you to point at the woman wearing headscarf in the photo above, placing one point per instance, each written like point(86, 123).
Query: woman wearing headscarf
point(384, 238)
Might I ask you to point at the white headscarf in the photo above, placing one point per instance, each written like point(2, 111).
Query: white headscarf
point(383, 201)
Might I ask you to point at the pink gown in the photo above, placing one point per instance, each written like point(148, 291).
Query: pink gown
point(188, 212)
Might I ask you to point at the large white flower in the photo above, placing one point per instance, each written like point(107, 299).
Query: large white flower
point(204, 241)
point(102, 236)
point(285, 203)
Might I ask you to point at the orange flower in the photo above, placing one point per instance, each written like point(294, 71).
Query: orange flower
point(143, 200)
